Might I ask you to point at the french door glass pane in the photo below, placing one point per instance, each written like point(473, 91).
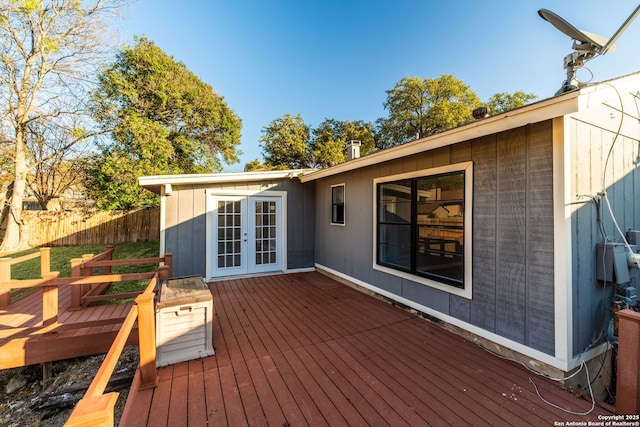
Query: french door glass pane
point(229, 233)
point(265, 232)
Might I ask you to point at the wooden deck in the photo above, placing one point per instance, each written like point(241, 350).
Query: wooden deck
point(24, 340)
point(303, 349)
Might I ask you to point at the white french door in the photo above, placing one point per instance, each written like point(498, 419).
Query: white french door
point(245, 234)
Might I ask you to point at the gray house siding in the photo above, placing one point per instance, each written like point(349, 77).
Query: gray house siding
point(593, 133)
point(512, 233)
point(185, 223)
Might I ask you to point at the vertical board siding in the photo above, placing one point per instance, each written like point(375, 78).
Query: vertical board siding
point(186, 222)
point(511, 237)
point(512, 233)
point(539, 239)
point(594, 138)
point(188, 243)
point(484, 264)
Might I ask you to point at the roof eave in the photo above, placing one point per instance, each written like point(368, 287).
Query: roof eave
point(532, 113)
point(155, 182)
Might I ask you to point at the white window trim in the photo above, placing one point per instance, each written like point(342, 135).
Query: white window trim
point(344, 204)
point(467, 167)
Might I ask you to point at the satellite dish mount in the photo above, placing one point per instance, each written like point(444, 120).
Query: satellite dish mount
point(585, 45)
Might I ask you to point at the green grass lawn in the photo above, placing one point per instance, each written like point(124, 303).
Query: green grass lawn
point(61, 257)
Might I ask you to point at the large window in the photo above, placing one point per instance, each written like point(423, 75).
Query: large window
point(337, 204)
point(421, 225)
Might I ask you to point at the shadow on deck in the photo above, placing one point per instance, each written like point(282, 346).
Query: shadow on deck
point(303, 349)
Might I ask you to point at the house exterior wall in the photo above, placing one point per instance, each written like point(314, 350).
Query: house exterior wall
point(512, 262)
point(185, 222)
point(608, 127)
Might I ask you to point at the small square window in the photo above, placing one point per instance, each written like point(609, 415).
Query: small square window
point(337, 204)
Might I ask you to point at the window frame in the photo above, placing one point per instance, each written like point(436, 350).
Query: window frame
point(344, 203)
point(466, 290)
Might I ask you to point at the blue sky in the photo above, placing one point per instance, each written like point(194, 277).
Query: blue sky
point(336, 59)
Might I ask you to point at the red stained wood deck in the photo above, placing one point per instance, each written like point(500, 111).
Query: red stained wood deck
point(303, 349)
point(90, 330)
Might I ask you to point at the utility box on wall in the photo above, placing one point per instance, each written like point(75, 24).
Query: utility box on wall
point(184, 321)
point(611, 263)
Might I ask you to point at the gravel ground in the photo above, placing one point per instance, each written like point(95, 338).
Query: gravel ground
point(26, 401)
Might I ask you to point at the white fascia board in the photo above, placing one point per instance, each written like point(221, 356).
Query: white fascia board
point(156, 181)
point(532, 113)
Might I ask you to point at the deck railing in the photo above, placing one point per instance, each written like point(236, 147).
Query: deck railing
point(84, 285)
point(6, 293)
point(97, 408)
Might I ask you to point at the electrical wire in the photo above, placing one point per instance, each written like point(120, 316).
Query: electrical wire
point(593, 400)
point(615, 138)
point(606, 164)
point(543, 375)
point(584, 82)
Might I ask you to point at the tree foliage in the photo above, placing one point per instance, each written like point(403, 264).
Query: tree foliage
point(48, 52)
point(422, 107)
point(503, 101)
point(163, 120)
point(285, 143)
point(329, 143)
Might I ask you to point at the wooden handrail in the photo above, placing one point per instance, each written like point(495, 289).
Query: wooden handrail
point(85, 280)
point(82, 267)
point(96, 408)
point(75, 281)
point(29, 283)
point(123, 262)
point(100, 381)
point(24, 258)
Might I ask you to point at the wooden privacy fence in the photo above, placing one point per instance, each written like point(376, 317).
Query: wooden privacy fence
point(72, 228)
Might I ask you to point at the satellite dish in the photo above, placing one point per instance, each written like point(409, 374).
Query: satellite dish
point(586, 45)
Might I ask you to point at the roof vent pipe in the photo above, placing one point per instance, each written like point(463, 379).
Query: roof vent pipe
point(481, 112)
point(353, 149)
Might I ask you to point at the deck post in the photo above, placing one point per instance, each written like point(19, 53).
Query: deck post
point(49, 305)
point(86, 271)
point(45, 261)
point(5, 276)
point(628, 369)
point(164, 272)
point(147, 341)
point(168, 262)
point(76, 290)
point(109, 257)
point(94, 411)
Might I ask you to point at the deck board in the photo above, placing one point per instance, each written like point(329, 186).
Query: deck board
point(23, 340)
point(303, 349)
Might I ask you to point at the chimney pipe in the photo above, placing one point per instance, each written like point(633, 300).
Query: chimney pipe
point(353, 149)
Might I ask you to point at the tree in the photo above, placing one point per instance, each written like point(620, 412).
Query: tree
point(6, 174)
point(163, 120)
point(54, 164)
point(329, 143)
point(285, 143)
point(422, 107)
point(503, 101)
point(48, 51)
